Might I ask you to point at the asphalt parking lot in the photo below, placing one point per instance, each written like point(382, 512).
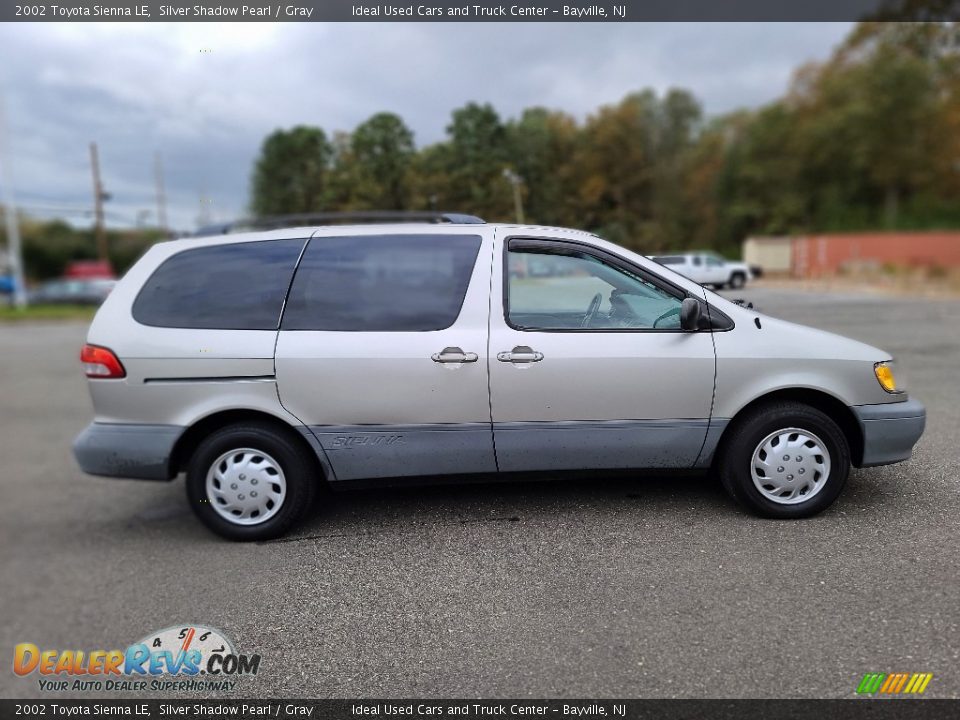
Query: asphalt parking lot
point(653, 587)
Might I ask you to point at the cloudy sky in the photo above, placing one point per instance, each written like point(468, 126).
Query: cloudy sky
point(205, 95)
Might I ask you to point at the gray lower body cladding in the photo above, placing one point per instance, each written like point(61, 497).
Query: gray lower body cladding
point(599, 445)
point(139, 452)
point(890, 431)
point(380, 451)
point(387, 451)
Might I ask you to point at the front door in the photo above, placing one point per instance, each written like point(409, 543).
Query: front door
point(382, 352)
point(588, 365)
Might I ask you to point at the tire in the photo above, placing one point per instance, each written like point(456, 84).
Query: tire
point(241, 462)
point(751, 455)
point(737, 281)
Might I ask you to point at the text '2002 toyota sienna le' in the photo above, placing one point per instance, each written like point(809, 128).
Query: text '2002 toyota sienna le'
point(266, 363)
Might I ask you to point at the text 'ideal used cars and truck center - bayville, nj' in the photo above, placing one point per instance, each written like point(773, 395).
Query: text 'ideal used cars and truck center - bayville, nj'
point(488, 11)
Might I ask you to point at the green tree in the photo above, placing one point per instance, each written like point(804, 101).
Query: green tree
point(344, 178)
point(477, 157)
point(431, 184)
point(866, 129)
point(49, 246)
point(678, 121)
point(630, 168)
point(614, 169)
point(540, 145)
point(383, 149)
point(759, 183)
point(292, 172)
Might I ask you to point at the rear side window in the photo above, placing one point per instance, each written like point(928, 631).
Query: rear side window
point(240, 286)
point(381, 283)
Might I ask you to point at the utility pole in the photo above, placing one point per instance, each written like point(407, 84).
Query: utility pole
point(161, 193)
point(11, 219)
point(516, 181)
point(98, 197)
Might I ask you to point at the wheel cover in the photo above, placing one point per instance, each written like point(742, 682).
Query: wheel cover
point(246, 486)
point(790, 466)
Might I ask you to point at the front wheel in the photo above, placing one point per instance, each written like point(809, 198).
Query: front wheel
point(250, 482)
point(785, 460)
point(737, 281)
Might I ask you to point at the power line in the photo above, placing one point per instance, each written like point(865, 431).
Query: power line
point(54, 210)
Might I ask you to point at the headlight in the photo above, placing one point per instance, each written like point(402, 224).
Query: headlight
point(884, 373)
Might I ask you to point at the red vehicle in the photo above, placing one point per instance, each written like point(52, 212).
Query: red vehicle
point(89, 270)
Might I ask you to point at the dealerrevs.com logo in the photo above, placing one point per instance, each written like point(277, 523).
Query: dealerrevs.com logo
point(178, 658)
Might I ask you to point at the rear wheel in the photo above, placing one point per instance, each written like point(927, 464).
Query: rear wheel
point(250, 482)
point(785, 460)
point(737, 281)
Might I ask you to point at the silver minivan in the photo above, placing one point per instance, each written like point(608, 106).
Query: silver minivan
point(268, 364)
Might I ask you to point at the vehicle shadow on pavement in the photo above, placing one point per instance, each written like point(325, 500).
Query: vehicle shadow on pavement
point(404, 509)
point(414, 508)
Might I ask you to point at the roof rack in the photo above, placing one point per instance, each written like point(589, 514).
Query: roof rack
point(275, 222)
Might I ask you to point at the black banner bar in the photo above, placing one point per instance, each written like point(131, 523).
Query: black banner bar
point(477, 10)
point(853, 709)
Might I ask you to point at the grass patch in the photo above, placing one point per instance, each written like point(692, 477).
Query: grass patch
point(79, 313)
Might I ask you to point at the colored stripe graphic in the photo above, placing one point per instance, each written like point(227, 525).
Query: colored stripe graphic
point(870, 683)
point(901, 681)
point(894, 683)
point(927, 677)
point(888, 683)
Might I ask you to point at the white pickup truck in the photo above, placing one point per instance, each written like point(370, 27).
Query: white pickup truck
point(707, 269)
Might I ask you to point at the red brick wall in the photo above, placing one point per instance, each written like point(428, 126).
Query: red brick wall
point(817, 255)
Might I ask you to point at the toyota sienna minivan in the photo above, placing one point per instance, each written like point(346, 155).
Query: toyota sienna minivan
point(266, 364)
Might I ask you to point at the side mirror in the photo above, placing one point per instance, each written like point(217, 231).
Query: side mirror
point(690, 315)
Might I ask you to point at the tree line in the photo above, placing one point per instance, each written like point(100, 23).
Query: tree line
point(868, 139)
point(50, 245)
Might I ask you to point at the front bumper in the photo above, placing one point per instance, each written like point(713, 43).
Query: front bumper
point(141, 452)
point(890, 430)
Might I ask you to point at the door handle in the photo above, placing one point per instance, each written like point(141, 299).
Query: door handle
point(520, 354)
point(453, 355)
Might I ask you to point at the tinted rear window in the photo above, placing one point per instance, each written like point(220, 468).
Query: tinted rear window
point(240, 286)
point(381, 283)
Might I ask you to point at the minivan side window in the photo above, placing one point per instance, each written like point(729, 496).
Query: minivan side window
point(237, 286)
point(381, 283)
point(571, 290)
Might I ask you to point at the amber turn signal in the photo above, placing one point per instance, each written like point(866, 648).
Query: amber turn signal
point(884, 375)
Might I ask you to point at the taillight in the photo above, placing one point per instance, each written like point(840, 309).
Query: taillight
point(101, 363)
